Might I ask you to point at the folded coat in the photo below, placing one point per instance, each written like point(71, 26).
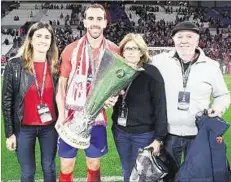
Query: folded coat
point(206, 159)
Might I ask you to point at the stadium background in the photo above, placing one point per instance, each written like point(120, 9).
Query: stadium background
point(153, 19)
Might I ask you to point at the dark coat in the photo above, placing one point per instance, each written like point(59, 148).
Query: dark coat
point(206, 159)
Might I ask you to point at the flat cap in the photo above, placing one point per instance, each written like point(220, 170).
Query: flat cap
point(186, 25)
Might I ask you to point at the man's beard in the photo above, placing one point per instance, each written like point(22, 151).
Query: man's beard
point(95, 37)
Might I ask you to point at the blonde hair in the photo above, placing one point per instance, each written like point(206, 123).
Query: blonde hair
point(138, 39)
point(95, 6)
point(26, 50)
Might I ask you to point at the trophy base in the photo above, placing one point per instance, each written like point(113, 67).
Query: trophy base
point(72, 139)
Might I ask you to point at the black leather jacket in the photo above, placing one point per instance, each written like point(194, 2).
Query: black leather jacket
point(16, 82)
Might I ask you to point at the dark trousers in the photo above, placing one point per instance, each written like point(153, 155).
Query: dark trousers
point(177, 147)
point(26, 139)
point(127, 145)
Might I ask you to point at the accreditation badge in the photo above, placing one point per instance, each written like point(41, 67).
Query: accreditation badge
point(123, 114)
point(44, 113)
point(183, 100)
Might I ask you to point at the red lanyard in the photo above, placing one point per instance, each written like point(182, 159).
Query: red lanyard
point(40, 91)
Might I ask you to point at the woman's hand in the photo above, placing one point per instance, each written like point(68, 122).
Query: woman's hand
point(156, 147)
point(110, 102)
point(60, 121)
point(11, 143)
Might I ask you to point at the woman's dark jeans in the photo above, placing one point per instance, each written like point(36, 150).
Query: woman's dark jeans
point(26, 139)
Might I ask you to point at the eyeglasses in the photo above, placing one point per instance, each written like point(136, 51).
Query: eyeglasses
point(133, 49)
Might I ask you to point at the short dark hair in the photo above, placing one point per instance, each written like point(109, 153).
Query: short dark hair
point(95, 5)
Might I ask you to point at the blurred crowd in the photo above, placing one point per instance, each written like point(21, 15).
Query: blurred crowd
point(156, 33)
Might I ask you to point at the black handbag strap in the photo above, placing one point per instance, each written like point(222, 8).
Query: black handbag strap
point(157, 160)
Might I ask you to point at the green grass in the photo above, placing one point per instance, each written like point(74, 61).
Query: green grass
point(227, 117)
point(110, 163)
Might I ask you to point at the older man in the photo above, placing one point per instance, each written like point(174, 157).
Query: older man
point(190, 79)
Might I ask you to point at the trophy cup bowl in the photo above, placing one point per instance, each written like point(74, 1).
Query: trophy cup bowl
point(113, 74)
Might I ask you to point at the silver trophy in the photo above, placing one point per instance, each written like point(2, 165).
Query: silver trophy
point(112, 76)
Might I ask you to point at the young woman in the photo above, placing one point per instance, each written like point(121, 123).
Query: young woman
point(28, 102)
point(139, 117)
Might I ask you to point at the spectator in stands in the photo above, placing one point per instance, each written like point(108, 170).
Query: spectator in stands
point(67, 17)
point(12, 32)
point(54, 22)
point(28, 102)
point(95, 22)
point(31, 14)
point(12, 54)
point(190, 93)
point(19, 39)
point(6, 41)
point(15, 42)
point(146, 96)
point(17, 33)
point(61, 16)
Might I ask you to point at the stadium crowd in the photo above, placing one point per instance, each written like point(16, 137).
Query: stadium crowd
point(157, 33)
point(81, 45)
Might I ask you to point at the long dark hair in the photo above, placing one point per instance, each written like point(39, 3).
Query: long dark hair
point(26, 50)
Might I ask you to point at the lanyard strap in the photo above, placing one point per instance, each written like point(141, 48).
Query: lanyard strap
point(92, 60)
point(126, 93)
point(127, 89)
point(185, 73)
point(40, 91)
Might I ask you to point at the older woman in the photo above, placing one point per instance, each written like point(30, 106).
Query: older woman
point(28, 102)
point(139, 117)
